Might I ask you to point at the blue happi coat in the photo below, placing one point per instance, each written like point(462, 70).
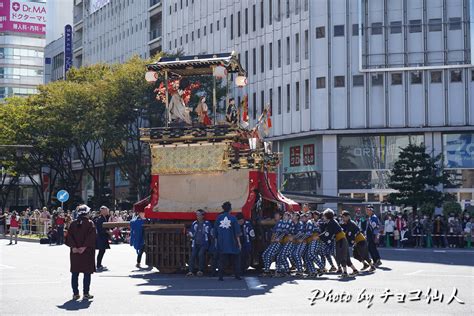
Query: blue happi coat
point(227, 231)
point(136, 233)
point(206, 233)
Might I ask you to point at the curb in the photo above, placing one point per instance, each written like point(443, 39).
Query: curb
point(23, 239)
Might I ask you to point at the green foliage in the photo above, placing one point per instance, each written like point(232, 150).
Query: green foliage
point(416, 176)
point(451, 207)
point(427, 209)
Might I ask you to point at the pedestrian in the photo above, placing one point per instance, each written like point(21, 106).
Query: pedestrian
point(137, 239)
point(417, 232)
point(3, 223)
point(199, 233)
point(360, 249)
point(60, 220)
point(438, 232)
point(246, 240)
point(14, 227)
point(81, 239)
point(102, 242)
point(45, 220)
point(401, 227)
point(370, 228)
point(428, 230)
point(273, 249)
point(334, 233)
point(228, 240)
point(389, 229)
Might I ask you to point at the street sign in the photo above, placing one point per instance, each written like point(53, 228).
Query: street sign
point(62, 196)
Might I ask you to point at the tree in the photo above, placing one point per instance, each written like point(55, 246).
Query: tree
point(451, 207)
point(417, 176)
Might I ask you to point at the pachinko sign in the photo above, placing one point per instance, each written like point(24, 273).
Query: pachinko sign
point(95, 5)
point(22, 16)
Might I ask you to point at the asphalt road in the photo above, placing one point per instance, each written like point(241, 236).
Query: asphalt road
point(35, 279)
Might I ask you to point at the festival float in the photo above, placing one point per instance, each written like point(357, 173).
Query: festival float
point(201, 163)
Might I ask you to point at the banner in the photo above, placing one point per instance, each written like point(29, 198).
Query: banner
point(67, 48)
point(95, 5)
point(23, 16)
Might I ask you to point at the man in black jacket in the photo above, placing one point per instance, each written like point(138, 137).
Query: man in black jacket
point(102, 241)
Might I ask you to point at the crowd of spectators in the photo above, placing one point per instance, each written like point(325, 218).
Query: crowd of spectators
point(53, 223)
point(405, 230)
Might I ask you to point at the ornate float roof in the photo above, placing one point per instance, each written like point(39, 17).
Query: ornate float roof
point(198, 64)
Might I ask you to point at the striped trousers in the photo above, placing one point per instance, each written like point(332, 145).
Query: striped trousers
point(269, 254)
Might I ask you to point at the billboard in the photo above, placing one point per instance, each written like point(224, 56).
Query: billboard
point(95, 5)
point(22, 16)
point(459, 150)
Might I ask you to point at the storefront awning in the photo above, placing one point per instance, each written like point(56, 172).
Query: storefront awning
point(313, 198)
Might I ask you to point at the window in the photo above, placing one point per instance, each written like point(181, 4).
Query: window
point(238, 24)
point(306, 5)
point(288, 50)
point(338, 30)
point(415, 26)
point(355, 30)
point(270, 55)
point(262, 101)
point(397, 79)
point(435, 25)
point(279, 100)
point(295, 156)
point(218, 24)
point(270, 18)
point(246, 17)
point(455, 24)
point(270, 98)
point(254, 106)
point(192, 36)
point(377, 28)
point(199, 33)
point(187, 37)
point(287, 9)
point(254, 15)
point(254, 61)
point(278, 10)
point(339, 81)
point(205, 30)
point(320, 32)
point(377, 80)
point(210, 28)
point(416, 77)
point(261, 15)
point(288, 98)
point(297, 95)
point(279, 53)
point(306, 94)
point(436, 76)
point(320, 82)
point(297, 6)
point(231, 26)
point(472, 75)
point(456, 75)
point(306, 44)
point(297, 47)
point(262, 58)
point(246, 59)
point(308, 154)
point(358, 80)
point(395, 27)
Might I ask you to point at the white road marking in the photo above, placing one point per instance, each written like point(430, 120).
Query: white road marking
point(413, 273)
point(441, 251)
point(4, 266)
point(31, 282)
point(254, 283)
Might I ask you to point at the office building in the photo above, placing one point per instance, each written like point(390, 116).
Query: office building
point(349, 83)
